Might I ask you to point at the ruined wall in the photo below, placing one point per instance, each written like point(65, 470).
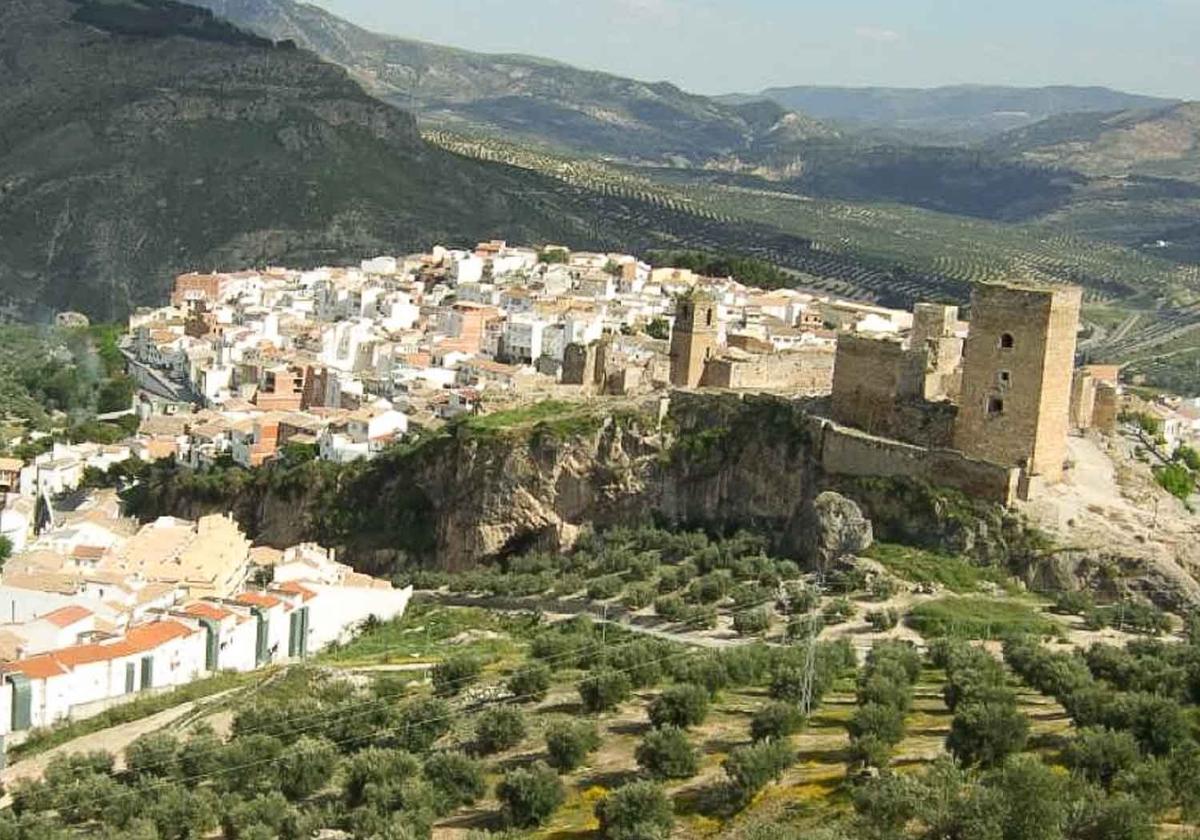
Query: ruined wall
point(845, 451)
point(808, 372)
point(869, 376)
point(1083, 399)
point(878, 386)
point(1108, 406)
point(579, 364)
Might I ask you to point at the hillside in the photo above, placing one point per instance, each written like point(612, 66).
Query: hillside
point(517, 96)
point(1162, 142)
point(956, 113)
point(125, 158)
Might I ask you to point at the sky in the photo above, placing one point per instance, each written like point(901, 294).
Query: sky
point(723, 46)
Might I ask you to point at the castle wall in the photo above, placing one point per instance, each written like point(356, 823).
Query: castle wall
point(869, 376)
point(807, 372)
point(845, 451)
point(1107, 407)
point(1083, 399)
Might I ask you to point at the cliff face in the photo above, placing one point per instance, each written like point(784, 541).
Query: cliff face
point(531, 479)
point(493, 486)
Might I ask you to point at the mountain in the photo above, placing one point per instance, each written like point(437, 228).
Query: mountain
point(958, 113)
point(141, 138)
point(1163, 142)
point(521, 97)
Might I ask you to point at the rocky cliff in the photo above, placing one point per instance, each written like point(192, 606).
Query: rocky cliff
point(533, 477)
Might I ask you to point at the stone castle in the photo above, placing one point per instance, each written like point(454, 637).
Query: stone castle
point(1007, 394)
point(1001, 392)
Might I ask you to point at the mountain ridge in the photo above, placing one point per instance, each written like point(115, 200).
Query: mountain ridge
point(948, 113)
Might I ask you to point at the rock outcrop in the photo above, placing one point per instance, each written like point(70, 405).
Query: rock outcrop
point(836, 529)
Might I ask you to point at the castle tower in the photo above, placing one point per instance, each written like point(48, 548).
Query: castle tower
point(693, 338)
point(1017, 370)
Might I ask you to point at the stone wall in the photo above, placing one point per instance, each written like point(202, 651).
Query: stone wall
point(846, 451)
point(869, 376)
point(807, 372)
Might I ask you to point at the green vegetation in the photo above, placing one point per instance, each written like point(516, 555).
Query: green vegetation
point(58, 379)
point(530, 795)
point(916, 565)
point(569, 743)
point(555, 418)
point(978, 618)
point(638, 811)
point(1176, 479)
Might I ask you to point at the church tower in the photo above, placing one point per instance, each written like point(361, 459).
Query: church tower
point(693, 338)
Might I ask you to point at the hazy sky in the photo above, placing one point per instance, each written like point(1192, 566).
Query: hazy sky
point(717, 46)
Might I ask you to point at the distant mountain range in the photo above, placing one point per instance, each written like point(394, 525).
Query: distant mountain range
point(957, 113)
point(522, 97)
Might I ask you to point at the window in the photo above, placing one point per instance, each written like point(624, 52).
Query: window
point(708, 317)
point(1006, 341)
point(995, 406)
point(1004, 377)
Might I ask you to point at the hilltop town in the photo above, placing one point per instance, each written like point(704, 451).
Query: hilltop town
point(262, 367)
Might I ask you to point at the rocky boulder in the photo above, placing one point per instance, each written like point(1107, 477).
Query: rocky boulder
point(835, 528)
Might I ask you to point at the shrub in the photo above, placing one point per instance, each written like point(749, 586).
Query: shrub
point(883, 620)
point(528, 796)
point(638, 595)
point(670, 607)
point(605, 587)
point(603, 690)
point(752, 768)
point(751, 622)
point(638, 811)
point(457, 780)
point(837, 611)
point(420, 722)
point(775, 720)
point(499, 728)
point(1176, 479)
point(456, 673)
point(987, 733)
point(568, 744)
point(700, 617)
point(667, 754)
point(800, 597)
point(1073, 603)
point(530, 682)
point(680, 705)
point(882, 587)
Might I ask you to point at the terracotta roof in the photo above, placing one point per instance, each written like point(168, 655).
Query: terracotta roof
point(11, 464)
point(258, 599)
point(138, 639)
point(68, 615)
point(295, 588)
point(37, 667)
point(207, 609)
point(88, 552)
